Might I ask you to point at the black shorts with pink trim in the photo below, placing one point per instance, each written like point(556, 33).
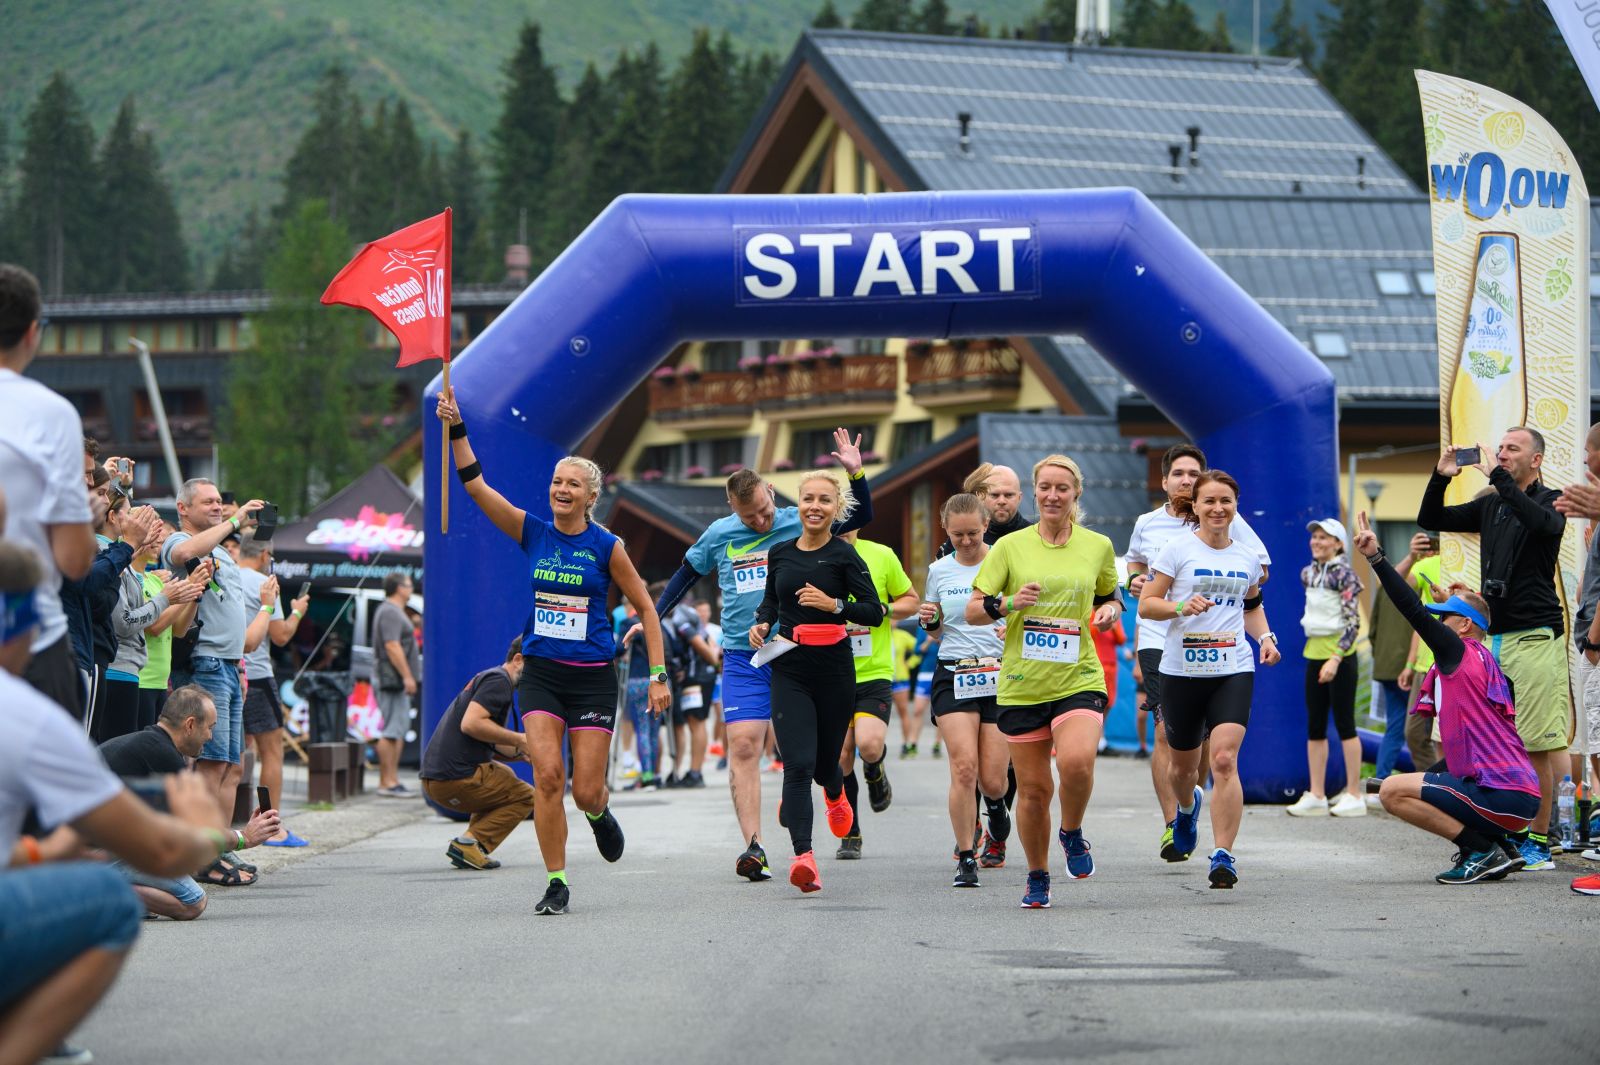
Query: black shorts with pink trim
point(1029, 724)
point(1493, 812)
point(580, 697)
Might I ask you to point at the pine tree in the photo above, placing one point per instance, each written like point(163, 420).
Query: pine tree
point(297, 399)
point(1221, 38)
point(1176, 28)
point(828, 17)
point(524, 138)
point(242, 264)
point(1137, 26)
point(572, 196)
point(1346, 37)
point(1288, 37)
point(139, 237)
point(464, 195)
point(327, 161)
point(627, 149)
point(934, 18)
point(694, 126)
point(1061, 16)
point(53, 229)
point(885, 16)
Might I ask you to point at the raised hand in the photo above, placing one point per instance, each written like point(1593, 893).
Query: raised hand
point(848, 453)
point(447, 410)
point(1366, 540)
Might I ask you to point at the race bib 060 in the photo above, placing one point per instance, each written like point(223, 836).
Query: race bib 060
point(561, 617)
point(1050, 639)
point(1209, 654)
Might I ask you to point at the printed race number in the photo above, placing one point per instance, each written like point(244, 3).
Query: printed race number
point(860, 640)
point(977, 682)
point(561, 617)
point(1050, 639)
point(691, 698)
point(750, 574)
point(1209, 654)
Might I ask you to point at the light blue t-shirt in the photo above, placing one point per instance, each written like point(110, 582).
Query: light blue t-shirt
point(738, 556)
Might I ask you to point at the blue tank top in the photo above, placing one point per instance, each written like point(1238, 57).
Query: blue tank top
point(570, 577)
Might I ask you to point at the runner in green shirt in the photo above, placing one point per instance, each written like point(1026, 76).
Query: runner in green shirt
point(874, 657)
point(1051, 582)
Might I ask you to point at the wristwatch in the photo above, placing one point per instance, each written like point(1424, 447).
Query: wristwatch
point(654, 677)
point(1267, 636)
point(838, 606)
point(1585, 645)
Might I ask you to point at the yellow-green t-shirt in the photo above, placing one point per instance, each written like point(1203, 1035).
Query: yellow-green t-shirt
point(158, 664)
point(1425, 568)
point(889, 577)
point(905, 648)
point(1070, 576)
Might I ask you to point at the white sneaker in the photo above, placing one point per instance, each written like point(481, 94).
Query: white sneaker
point(1308, 805)
point(1349, 806)
point(1374, 803)
point(1593, 854)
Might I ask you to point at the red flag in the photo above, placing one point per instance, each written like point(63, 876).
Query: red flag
point(404, 280)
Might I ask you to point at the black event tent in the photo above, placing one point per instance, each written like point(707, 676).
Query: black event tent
point(368, 530)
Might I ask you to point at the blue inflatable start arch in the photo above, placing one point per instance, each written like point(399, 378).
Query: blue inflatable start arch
point(655, 271)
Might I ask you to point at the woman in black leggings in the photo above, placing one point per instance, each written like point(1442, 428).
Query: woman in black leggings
point(814, 585)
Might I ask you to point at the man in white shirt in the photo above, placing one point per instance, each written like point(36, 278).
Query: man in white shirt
point(41, 473)
point(1180, 467)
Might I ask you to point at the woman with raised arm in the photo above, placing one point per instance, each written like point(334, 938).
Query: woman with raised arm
point(568, 688)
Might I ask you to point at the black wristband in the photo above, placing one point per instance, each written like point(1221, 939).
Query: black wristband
point(458, 431)
point(1252, 602)
point(991, 606)
point(470, 473)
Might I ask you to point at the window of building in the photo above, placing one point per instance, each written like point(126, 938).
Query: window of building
point(179, 403)
point(1330, 345)
point(728, 451)
point(665, 458)
point(721, 356)
point(865, 346)
point(1594, 284)
point(1425, 282)
point(1393, 282)
point(807, 446)
point(910, 438)
point(79, 338)
point(769, 347)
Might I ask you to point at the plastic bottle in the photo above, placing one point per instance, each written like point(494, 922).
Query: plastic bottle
point(1566, 826)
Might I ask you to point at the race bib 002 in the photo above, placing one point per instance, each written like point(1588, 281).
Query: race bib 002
point(750, 573)
point(561, 617)
point(1209, 654)
point(977, 682)
point(1050, 639)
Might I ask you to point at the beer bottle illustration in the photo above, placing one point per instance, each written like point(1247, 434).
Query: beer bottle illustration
point(1490, 391)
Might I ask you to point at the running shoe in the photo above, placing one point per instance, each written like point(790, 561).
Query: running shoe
point(469, 856)
point(1037, 897)
point(1536, 857)
point(879, 793)
point(1308, 805)
point(1471, 868)
point(1223, 874)
point(1000, 825)
point(966, 873)
point(993, 855)
point(67, 1054)
point(692, 779)
point(1186, 826)
point(1142, 752)
point(938, 751)
point(607, 834)
point(840, 816)
point(803, 872)
point(716, 750)
point(849, 849)
point(672, 781)
point(1587, 885)
point(1514, 859)
point(752, 864)
point(1169, 850)
point(1349, 806)
point(1080, 866)
point(556, 897)
point(1592, 854)
point(908, 750)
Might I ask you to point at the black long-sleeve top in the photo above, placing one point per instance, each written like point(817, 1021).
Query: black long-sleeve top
point(1520, 539)
point(835, 569)
point(1446, 646)
point(990, 535)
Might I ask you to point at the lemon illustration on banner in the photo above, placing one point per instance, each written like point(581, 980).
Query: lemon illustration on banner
point(1549, 413)
point(1505, 129)
point(1451, 556)
point(1557, 281)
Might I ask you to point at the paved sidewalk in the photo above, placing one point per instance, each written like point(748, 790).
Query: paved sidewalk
point(1336, 947)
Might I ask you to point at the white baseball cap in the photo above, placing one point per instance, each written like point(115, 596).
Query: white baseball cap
point(1332, 526)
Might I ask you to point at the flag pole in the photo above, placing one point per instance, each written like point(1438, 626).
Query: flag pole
point(444, 463)
point(444, 430)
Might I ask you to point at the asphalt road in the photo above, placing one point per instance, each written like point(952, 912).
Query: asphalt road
point(1337, 946)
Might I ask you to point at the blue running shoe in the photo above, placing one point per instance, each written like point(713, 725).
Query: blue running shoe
point(1223, 874)
point(1536, 857)
point(1079, 865)
point(1186, 826)
point(1038, 894)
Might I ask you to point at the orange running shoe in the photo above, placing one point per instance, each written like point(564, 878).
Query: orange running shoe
point(840, 816)
point(716, 750)
point(803, 872)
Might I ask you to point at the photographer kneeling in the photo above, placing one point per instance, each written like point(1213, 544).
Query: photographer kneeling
point(1488, 789)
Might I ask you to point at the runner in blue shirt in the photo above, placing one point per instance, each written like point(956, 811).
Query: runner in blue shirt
point(735, 549)
point(568, 688)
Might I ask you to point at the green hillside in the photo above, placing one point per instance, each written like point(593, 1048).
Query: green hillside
point(224, 85)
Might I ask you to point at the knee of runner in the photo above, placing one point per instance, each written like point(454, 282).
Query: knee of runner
point(1389, 792)
point(589, 797)
point(1073, 762)
point(964, 772)
point(1224, 763)
point(552, 783)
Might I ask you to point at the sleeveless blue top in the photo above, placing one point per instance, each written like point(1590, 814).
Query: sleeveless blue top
point(570, 577)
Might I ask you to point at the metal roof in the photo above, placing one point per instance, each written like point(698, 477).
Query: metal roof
point(1049, 114)
point(225, 304)
point(1115, 491)
point(688, 508)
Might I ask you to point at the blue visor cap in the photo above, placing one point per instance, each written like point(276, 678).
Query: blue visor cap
point(1457, 605)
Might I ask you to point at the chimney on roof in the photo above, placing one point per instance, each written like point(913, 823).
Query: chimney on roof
point(1043, 30)
point(1194, 145)
point(970, 27)
point(1361, 172)
point(1295, 187)
point(965, 118)
point(1176, 152)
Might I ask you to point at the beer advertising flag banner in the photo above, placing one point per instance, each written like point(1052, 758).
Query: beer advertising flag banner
point(404, 280)
point(1510, 216)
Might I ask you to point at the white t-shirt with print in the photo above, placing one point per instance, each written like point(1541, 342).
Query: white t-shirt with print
point(1150, 534)
point(1211, 644)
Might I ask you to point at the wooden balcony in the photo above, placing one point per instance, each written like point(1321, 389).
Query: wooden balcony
point(705, 401)
point(860, 384)
point(982, 372)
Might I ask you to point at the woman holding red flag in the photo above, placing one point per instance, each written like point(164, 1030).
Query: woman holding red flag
point(568, 689)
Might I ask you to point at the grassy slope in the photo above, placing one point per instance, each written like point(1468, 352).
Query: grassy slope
point(224, 84)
